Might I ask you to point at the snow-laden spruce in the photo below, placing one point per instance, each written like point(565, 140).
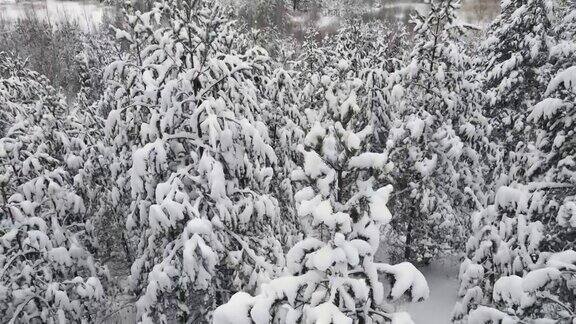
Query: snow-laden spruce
point(295, 90)
point(520, 265)
point(47, 270)
point(507, 277)
point(503, 242)
point(331, 275)
point(513, 66)
point(286, 124)
point(435, 138)
point(194, 157)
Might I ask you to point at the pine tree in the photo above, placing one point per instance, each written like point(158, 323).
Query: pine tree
point(514, 56)
point(435, 137)
point(48, 272)
point(520, 257)
point(504, 242)
point(265, 15)
point(285, 120)
point(554, 143)
point(331, 274)
point(193, 155)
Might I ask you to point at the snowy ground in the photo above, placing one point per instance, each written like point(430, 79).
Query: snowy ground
point(442, 277)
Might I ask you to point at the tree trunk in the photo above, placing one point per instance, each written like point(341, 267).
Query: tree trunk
point(408, 245)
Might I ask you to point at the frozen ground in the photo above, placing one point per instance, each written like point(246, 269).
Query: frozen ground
point(442, 277)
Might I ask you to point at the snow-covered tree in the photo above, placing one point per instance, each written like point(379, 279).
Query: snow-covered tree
point(97, 52)
point(373, 51)
point(504, 242)
point(47, 269)
point(295, 92)
point(514, 57)
point(14, 90)
point(331, 275)
point(520, 259)
point(507, 276)
point(264, 14)
point(436, 133)
point(193, 155)
point(286, 123)
point(550, 157)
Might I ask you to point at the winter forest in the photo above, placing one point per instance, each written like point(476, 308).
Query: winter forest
point(233, 161)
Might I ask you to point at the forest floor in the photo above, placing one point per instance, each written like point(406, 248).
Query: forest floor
point(442, 277)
